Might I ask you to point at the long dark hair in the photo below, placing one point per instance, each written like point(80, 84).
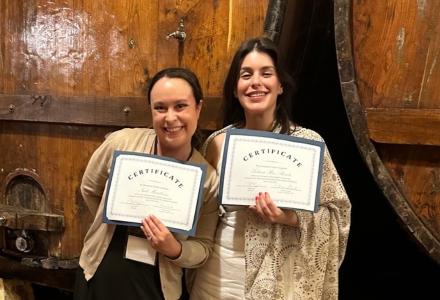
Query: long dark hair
point(233, 112)
point(193, 81)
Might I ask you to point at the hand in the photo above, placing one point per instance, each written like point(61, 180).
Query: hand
point(160, 237)
point(269, 212)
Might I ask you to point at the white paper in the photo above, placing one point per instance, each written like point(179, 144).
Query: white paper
point(139, 249)
point(289, 171)
point(144, 185)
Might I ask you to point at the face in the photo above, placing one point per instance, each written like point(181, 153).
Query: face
point(258, 86)
point(175, 113)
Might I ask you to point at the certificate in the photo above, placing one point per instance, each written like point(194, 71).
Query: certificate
point(288, 168)
point(143, 184)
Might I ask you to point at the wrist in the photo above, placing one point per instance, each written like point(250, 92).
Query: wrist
point(176, 251)
point(291, 218)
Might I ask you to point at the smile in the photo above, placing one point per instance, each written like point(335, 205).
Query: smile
point(174, 129)
point(255, 95)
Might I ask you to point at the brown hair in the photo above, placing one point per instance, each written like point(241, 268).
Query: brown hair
point(193, 81)
point(233, 112)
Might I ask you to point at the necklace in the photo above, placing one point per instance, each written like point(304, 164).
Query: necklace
point(155, 149)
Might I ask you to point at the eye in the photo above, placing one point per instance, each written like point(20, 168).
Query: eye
point(159, 108)
point(181, 105)
point(267, 74)
point(245, 75)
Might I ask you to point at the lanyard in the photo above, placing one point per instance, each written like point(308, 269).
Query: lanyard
point(155, 149)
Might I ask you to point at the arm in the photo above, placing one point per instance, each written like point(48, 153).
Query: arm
point(196, 250)
point(96, 175)
point(214, 149)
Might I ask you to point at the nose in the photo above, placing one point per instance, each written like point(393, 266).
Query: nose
point(256, 80)
point(170, 116)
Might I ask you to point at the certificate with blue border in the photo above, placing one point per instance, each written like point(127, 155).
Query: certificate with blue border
point(143, 184)
point(288, 168)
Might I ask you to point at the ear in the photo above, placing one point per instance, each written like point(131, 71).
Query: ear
point(280, 91)
point(235, 94)
point(199, 108)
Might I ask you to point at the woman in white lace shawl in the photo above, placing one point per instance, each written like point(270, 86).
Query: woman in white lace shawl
point(262, 251)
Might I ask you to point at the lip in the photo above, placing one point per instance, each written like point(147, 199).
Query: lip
point(256, 95)
point(173, 130)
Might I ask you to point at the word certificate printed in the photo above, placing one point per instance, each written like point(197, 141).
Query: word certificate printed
point(288, 168)
point(144, 184)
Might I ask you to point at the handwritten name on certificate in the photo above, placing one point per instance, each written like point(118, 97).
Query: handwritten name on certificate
point(288, 168)
point(143, 184)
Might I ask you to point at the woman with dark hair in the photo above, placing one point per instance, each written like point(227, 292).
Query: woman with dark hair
point(175, 98)
point(262, 251)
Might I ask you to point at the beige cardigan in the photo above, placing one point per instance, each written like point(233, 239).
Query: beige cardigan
point(195, 250)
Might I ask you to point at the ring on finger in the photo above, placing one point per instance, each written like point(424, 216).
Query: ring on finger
point(149, 237)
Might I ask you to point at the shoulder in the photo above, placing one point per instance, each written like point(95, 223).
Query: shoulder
point(211, 174)
point(307, 134)
point(216, 138)
point(128, 136)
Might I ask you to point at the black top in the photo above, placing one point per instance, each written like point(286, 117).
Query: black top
point(120, 278)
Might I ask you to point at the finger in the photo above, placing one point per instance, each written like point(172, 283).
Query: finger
point(269, 203)
point(156, 225)
point(262, 201)
point(258, 205)
point(146, 228)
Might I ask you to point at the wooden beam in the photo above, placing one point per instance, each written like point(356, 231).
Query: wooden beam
point(404, 126)
point(21, 218)
point(105, 111)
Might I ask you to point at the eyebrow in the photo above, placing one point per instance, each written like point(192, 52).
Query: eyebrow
point(262, 68)
point(178, 101)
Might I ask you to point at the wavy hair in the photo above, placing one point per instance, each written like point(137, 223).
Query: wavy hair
point(233, 112)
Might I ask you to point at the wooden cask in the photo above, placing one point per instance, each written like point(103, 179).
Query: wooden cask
point(73, 71)
point(389, 72)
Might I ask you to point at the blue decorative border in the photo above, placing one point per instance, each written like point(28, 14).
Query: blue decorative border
point(246, 135)
point(114, 172)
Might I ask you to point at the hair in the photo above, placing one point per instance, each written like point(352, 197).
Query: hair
point(233, 112)
point(193, 81)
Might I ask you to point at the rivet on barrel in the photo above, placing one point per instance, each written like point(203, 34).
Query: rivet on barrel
point(127, 110)
point(11, 108)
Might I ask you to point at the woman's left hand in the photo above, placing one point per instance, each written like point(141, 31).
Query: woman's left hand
point(161, 239)
point(269, 212)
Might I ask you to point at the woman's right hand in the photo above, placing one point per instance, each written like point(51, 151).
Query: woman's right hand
point(271, 213)
point(160, 238)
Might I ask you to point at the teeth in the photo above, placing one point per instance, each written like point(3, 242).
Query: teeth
point(257, 95)
point(173, 129)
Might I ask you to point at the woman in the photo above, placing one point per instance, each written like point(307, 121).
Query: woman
point(175, 97)
point(264, 252)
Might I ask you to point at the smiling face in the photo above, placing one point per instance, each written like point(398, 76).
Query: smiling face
point(258, 86)
point(175, 115)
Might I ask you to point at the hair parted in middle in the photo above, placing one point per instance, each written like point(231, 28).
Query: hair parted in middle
point(233, 112)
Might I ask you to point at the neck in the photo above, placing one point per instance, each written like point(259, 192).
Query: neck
point(183, 153)
point(259, 122)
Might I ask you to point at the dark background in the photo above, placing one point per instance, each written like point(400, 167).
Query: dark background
point(382, 261)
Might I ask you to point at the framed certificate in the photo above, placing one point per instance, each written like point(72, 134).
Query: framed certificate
point(142, 184)
point(288, 168)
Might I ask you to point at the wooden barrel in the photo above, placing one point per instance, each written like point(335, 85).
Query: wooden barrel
point(73, 71)
point(389, 72)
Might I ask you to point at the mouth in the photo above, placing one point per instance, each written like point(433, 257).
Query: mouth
point(173, 129)
point(256, 95)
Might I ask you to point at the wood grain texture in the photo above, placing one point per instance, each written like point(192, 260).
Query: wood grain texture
point(404, 126)
point(387, 61)
point(396, 50)
point(69, 72)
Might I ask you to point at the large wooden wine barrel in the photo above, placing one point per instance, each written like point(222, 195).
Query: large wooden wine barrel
point(389, 67)
point(73, 71)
